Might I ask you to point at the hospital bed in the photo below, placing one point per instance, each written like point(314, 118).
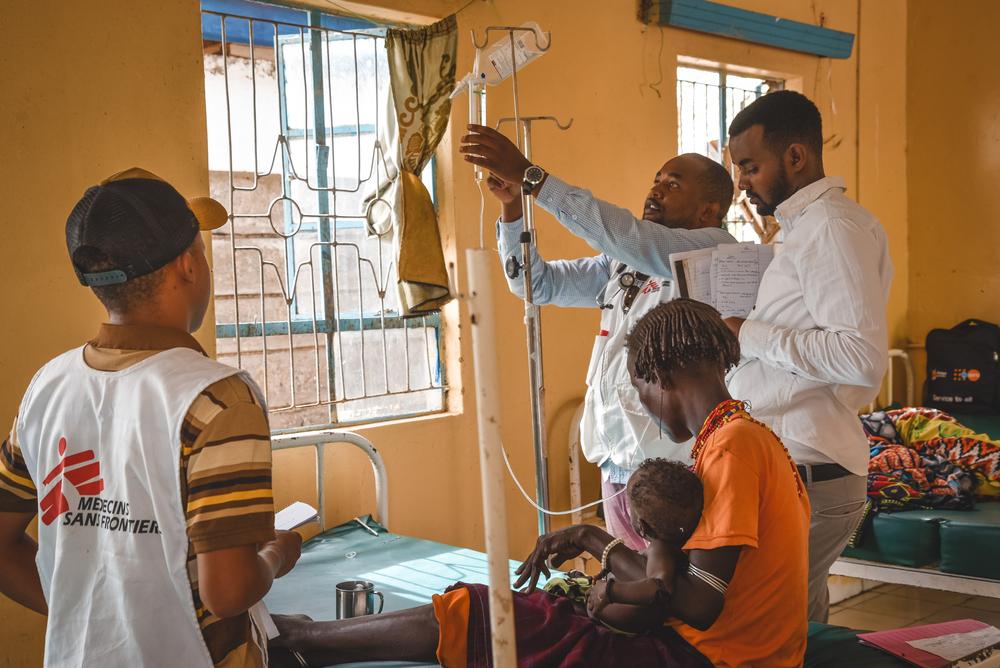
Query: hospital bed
point(408, 571)
point(953, 550)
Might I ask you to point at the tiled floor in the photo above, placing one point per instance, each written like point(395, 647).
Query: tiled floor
point(893, 606)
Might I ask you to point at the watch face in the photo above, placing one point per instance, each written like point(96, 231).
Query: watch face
point(533, 174)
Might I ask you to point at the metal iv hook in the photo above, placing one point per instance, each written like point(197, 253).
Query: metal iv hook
point(531, 119)
point(511, 29)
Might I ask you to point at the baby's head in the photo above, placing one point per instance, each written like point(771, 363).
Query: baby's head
point(665, 500)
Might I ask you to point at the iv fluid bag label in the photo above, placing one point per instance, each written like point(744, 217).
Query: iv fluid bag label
point(500, 60)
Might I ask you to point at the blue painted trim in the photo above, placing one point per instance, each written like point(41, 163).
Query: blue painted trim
point(347, 323)
point(756, 27)
point(287, 19)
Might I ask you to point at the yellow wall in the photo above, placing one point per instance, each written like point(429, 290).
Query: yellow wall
point(88, 89)
point(953, 167)
point(118, 83)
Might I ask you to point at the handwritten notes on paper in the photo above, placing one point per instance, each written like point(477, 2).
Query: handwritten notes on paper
point(955, 646)
point(726, 277)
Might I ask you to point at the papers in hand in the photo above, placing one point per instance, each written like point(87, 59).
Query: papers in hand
point(726, 277)
point(295, 515)
point(286, 519)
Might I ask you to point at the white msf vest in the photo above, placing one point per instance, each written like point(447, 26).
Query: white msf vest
point(103, 449)
point(615, 426)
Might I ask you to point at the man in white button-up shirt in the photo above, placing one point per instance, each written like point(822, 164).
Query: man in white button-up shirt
point(814, 349)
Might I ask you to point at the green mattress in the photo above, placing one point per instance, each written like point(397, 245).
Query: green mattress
point(962, 542)
point(409, 570)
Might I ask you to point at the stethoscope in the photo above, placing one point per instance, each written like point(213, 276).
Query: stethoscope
point(629, 282)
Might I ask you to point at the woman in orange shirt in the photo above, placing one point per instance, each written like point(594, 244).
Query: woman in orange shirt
point(739, 601)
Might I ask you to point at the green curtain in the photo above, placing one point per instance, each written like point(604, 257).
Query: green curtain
point(422, 76)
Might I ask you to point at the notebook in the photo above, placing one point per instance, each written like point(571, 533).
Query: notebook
point(965, 642)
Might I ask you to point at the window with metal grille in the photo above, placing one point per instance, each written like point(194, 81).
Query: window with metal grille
point(707, 102)
point(305, 296)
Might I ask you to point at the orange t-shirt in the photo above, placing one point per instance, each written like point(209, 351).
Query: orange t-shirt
point(754, 498)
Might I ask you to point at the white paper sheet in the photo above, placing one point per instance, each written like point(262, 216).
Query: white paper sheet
point(295, 515)
point(736, 271)
point(695, 266)
point(958, 645)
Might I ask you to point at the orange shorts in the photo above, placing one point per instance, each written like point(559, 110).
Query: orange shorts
point(451, 610)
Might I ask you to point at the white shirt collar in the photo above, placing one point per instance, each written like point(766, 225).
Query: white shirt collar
point(790, 210)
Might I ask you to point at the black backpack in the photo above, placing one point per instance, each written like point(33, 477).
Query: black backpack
point(963, 368)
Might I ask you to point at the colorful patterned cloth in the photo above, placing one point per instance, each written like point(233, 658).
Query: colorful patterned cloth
point(924, 458)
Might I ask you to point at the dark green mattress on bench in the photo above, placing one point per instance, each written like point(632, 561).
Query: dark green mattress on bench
point(409, 570)
point(961, 542)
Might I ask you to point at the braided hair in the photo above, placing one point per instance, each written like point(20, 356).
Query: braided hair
point(679, 334)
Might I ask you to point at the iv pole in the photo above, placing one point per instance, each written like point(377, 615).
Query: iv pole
point(502, 633)
point(533, 325)
point(531, 312)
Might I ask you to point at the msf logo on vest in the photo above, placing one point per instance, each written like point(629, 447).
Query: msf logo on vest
point(82, 470)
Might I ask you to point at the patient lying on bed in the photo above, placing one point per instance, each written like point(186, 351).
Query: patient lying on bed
point(584, 618)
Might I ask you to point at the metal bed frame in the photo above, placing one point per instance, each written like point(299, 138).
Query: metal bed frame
point(318, 440)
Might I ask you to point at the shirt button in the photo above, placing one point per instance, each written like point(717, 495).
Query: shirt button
point(574, 216)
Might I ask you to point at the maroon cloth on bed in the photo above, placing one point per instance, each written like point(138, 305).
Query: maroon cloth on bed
point(552, 633)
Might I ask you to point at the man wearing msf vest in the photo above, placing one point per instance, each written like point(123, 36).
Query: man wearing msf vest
point(683, 211)
point(147, 463)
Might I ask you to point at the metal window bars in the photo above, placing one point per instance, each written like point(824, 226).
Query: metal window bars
point(305, 296)
point(707, 102)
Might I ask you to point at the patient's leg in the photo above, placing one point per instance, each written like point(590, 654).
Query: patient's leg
point(406, 635)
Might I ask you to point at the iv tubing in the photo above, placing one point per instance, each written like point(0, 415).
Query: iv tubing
point(482, 213)
point(537, 507)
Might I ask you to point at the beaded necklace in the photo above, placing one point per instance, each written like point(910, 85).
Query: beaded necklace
point(733, 409)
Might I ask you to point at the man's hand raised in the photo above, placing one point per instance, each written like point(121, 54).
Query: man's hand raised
point(491, 150)
point(509, 195)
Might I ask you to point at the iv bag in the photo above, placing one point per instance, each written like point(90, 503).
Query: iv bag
point(495, 63)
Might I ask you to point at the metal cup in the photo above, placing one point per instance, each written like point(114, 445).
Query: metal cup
point(356, 598)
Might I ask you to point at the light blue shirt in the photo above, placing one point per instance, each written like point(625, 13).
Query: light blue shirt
point(619, 237)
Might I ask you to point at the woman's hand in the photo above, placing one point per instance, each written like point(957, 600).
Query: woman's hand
point(550, 551)
point(597, 598)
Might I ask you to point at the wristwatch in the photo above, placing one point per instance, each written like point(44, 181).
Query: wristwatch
point(533, 175)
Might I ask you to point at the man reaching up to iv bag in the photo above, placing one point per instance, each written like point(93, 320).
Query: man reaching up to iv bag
point(147, 463)
point(683, 211)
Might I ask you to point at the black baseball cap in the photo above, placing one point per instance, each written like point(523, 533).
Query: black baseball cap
point(139, 221)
